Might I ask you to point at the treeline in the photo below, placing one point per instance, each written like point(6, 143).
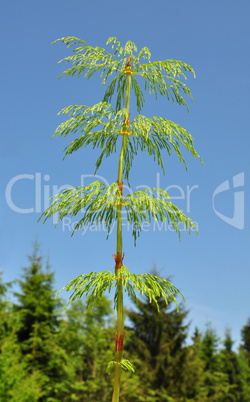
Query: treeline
point(51, 354)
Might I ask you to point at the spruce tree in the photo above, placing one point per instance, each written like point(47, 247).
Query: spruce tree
point(36, 306)
point(229, 365)
point(37, 311)
point(245, 376)
point(98, 349)
point(244, 361)
point(6, 319)
point(158, 340)
point(193, 383)
point(17, 384)
point(215, 380)
point(106, 126)
point(83, 335)
point(245, 336)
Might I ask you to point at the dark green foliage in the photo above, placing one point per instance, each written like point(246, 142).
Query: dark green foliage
point(37, 327)
point(209, 345)
point(219, 373)
point(193, 384)
point(17, 384)
point(78, 345)
point(245, 375)
point(158, 340)
point(46, 355)
point(6, 319)
point(229, 365)
point(36, 308)
point(245, 335)
point(244, 361)
point(215, 381)
point(83, 335)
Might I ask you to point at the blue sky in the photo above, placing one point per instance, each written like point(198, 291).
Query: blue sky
point(211, 270)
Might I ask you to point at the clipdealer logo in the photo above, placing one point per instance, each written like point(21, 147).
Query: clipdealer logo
point(238, 218)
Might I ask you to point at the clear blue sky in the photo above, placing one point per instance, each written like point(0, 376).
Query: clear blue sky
point(211, 270)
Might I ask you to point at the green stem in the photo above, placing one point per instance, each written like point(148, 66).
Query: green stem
point(120, 317)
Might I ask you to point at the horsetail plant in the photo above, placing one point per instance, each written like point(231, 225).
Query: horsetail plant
point(103, 125)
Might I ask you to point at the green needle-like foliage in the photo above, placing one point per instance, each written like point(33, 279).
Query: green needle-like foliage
point(86, 120)
point(101, 126)
point(97, 202)
point(160, 77)
point(142, 206)
point(125, 364)
point(104, 127)
point(95, 284)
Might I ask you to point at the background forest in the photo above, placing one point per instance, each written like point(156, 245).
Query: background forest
point(51, 354)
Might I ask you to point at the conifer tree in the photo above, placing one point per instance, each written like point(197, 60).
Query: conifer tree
point(215, 380)
point(83, 335)
point(16, 383)
point(36, 306)
point(193, 382)
point(229, 365)
point(244, 361)
point(6, 320)
point(245, 335)
point(103, 126)
point(159, 341)
point(245, 375)
point(37, 311)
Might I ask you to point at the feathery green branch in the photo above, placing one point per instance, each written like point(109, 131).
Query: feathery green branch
point(99, 204)
point(125, 365)
point(160, 77)
point(95, 284)
point(101, 126)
